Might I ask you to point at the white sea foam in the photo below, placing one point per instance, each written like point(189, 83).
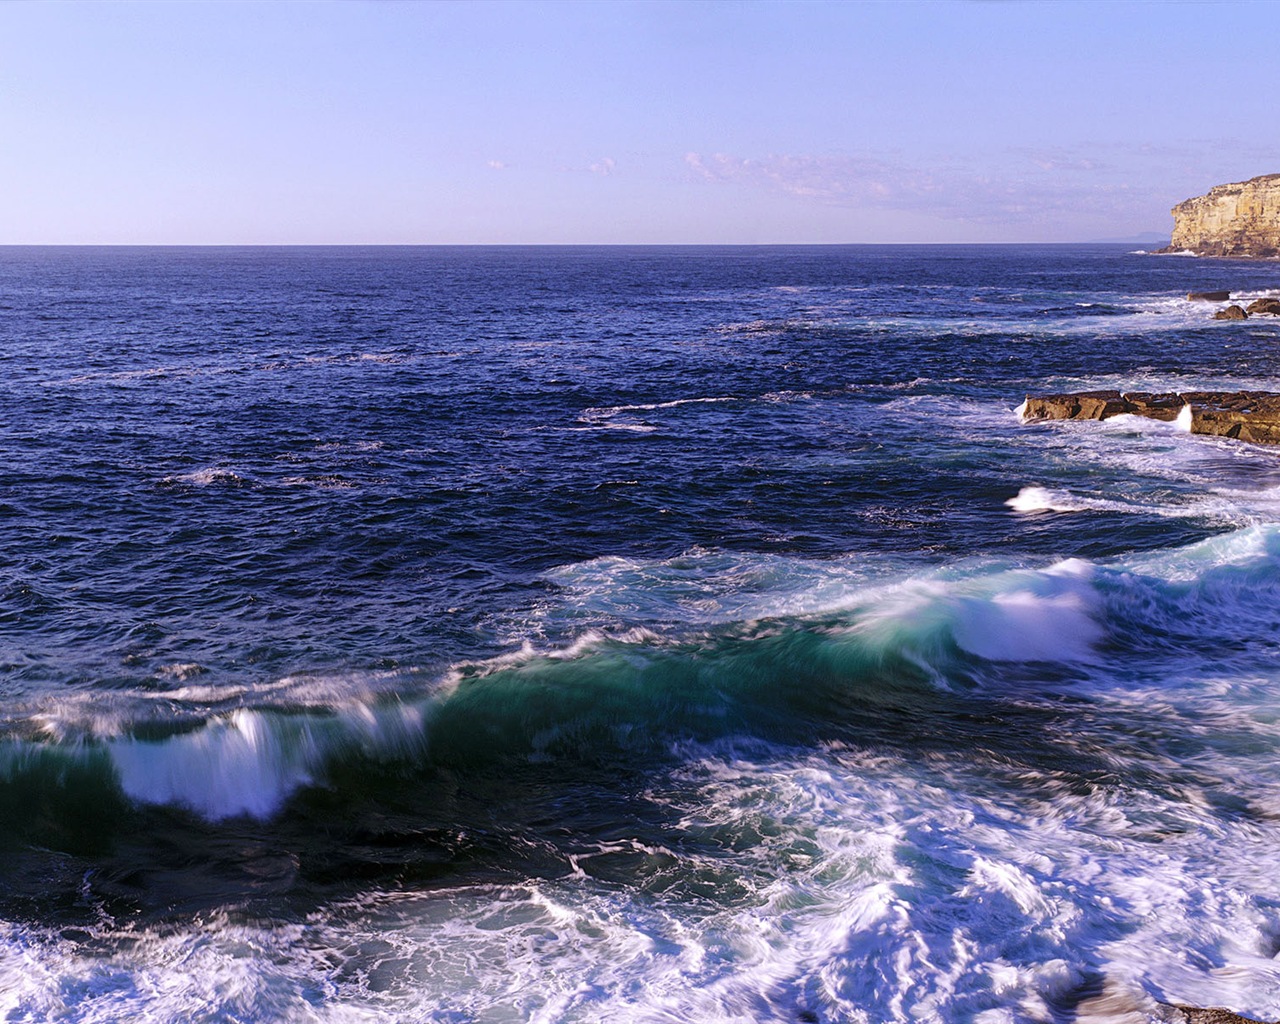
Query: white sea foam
point(92, 716)
point(321, 483)
point(614, 417)
point(1034, 499)
point(1045, 499)
point(1029, 626)
point(610, 424)
point(994, 612)
point(208, 477)
point(1061, 613)
point(231, 766)
point(250, 762)
point(845, 885)
point(1021, 615)
point(350, 446)
point(614, 410)
point(706, 587)
point(180, 671)
point(965, 417)
point(1253, 546)
point(196, 696)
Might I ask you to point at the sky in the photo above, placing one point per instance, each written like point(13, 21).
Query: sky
point(357, 122)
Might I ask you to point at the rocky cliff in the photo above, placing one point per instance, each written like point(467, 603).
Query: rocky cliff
point(1240, 219)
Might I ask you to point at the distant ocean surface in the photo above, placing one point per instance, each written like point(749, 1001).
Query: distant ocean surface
point(631, 634)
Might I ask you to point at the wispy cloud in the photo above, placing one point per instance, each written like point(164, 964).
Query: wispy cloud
point(1060, 158)
point(1056, 190)
point(497, 165)
point(828, 179)
point(1027, 188)
point(605, 167)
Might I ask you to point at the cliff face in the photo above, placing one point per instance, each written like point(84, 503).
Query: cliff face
point(1240, 219)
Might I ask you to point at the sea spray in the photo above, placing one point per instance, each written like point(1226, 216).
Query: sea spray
point(771, 678)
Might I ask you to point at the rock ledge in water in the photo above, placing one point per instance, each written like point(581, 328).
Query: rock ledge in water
point(1252, 416)
point(1119, 1004)
point(1209, 1015)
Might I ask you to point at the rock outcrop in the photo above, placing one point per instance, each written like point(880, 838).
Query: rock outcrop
point(1252, 416)
point(1080, 405)
point(1240, 219)
point(1117, 1003)
point(1231, 313)
point(1206, 1015)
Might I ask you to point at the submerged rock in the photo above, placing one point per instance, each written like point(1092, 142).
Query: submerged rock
point(1207, 1015)
point(1231, 313)
point(1252, 416)
point(1267, 305)
point(1119, 1003)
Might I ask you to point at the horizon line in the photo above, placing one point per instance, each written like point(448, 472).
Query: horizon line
point(1152, 240)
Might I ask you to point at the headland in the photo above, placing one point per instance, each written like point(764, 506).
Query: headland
point(1240, 219)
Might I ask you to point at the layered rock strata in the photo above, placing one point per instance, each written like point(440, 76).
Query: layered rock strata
point(1239, 219)
point(1252, 416)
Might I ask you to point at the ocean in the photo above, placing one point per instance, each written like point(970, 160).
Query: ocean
point(631, 634)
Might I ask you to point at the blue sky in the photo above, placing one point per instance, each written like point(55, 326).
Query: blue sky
point(675, 122)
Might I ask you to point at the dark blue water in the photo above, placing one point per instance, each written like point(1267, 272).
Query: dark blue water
point(641, 633)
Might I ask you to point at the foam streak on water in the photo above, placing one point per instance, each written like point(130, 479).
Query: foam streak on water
point(634, 635)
